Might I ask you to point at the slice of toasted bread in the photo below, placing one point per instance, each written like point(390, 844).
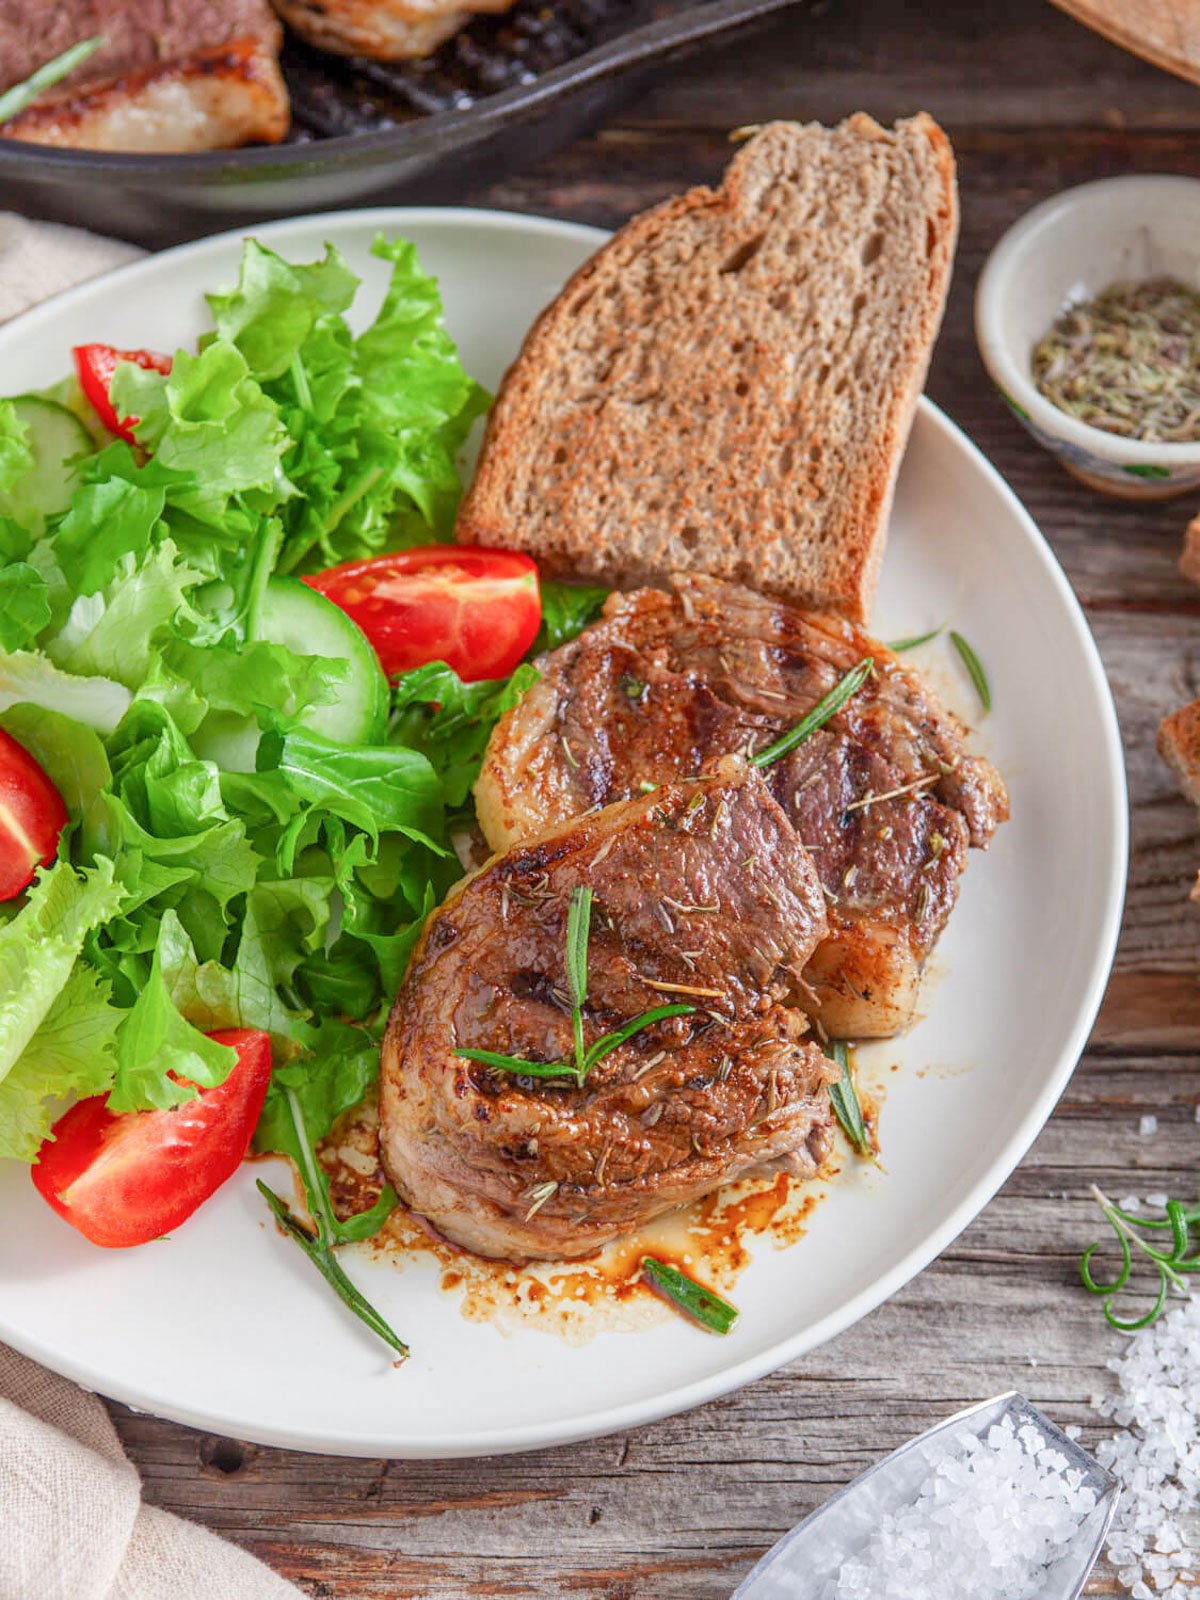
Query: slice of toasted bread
point(727, 385)
point(1179, 746)
point(1189, 560)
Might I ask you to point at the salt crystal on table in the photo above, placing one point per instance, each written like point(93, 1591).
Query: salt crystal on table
point(1131, 1201)
point(1156, 1456)
point(1158, 1200)
point(1148, 1126)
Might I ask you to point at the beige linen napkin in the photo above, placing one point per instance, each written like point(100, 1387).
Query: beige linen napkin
point(40, 259)
point(72, 1522)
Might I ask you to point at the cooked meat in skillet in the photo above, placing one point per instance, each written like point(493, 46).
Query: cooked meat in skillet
point(886, 796)
point(704, 895)
point(389, 30)
point(171, 75)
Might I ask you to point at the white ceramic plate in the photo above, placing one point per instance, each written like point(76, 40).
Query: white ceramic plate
point(226, 1326)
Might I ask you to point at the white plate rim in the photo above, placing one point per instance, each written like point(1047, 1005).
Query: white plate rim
point(699, 1391)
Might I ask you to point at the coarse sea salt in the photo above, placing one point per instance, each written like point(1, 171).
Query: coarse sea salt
point(1148, 1126)
point(1155, 1540)
point(988, 1521)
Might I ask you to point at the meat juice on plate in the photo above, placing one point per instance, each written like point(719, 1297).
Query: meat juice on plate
point(713, 1238)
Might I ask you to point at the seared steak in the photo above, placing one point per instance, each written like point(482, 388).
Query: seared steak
point(389, 30)
point(171, 74)
point(703, 895)
point(886, 796)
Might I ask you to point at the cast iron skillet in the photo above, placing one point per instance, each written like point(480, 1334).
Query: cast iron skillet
point(506, 90)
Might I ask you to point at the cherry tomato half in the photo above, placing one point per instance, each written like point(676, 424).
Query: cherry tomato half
point(95, 364)
point(476, 610)
point(32, 816)
point(126, 1179)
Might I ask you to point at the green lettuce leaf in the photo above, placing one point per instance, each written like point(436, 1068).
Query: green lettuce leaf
point(209, 419)
point(70, 1054)
point(276, 305)
point(16, 458)
point(28, 676)
point(24, 605)
point(40, 945)
point(156, 1048)
point(112, 633)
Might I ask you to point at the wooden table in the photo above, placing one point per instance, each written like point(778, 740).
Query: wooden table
point(683, 1508)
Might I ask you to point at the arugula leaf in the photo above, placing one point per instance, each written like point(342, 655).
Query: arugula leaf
point(156, 1047)
point(567, 608)
point(24, 607)
point(375, 787)
point(450, 722)
point(40, 945)
point(244, 995)
point(335, 1075)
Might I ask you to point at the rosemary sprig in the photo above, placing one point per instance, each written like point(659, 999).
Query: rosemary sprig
point(899, 646)
point(843, 1096)
point(329, 1230)
point(974, 669)
point(820, 714)
point(690, 1297)
point(579, 924)
point(14, 100)
point(1172, 1265)
point(327, 1264)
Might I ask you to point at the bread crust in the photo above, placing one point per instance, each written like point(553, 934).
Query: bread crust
point(1179, 746)
point(623, 468)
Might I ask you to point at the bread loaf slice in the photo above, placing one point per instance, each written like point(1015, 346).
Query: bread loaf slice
point(728, 384)
point(1179, 746)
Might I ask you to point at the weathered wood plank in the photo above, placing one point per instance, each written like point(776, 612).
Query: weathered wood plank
point(682, 1508)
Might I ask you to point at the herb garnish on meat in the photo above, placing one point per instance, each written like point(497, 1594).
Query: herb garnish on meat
point(843, 1096)
point(828, 706)
point(692, 1298)
point(13, 101)
point(579, 922)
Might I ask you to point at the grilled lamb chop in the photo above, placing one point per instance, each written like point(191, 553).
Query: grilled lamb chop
point(388, 30)
point(886, 796)
point(171, 74)
point(704, 895)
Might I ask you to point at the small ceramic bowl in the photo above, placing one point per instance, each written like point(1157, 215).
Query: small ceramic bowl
point(1068, 249)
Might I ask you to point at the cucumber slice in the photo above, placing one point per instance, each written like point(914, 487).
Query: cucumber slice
point(306, 622)
point(56, 437)
point(294, 615)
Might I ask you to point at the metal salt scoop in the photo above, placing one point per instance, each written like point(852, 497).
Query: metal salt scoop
point(811, 1555)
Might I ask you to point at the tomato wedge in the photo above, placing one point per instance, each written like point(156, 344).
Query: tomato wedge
point(126, 1179)
point(476, 610)
point(32, 816)
point(95, 364)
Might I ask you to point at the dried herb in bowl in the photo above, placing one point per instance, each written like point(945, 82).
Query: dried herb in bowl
point(1128, 361)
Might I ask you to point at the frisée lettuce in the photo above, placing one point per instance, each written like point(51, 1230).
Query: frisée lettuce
point(239, 853)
